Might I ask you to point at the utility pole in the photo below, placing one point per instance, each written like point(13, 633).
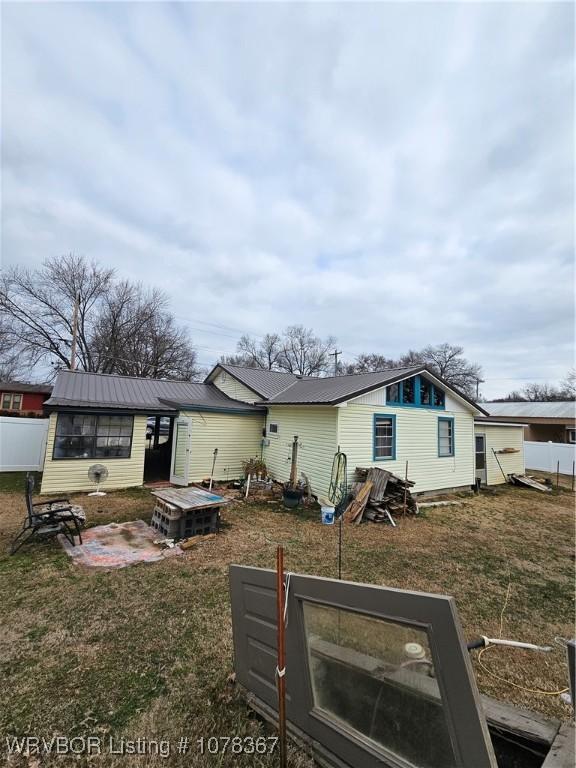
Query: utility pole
point(335, 356)
point(478, 382)
point(74, 334)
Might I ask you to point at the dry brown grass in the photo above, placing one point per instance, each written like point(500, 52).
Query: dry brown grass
point(146, 650)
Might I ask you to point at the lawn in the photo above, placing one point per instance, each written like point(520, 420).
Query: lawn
point(146, 651)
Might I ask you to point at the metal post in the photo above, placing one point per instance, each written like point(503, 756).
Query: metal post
point(405, 489)
point(294, 465)
point(213, 465)
point(573, 475)
point(557, 475)
point(340, 545)
point(281, 668)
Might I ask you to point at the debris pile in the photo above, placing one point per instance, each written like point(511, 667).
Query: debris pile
point(530, 482)
point(378, 494)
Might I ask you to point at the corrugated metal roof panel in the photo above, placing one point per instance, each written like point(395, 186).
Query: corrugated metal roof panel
point(93, 390)
point(335, 389)
point(265, 383)
point(554, 410)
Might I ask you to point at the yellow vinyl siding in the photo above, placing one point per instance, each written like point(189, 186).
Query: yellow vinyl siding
point(235, 389)
point(416, 442)
point(72, 474)
point(237, 437)
point(316, 428)
point(498, 438)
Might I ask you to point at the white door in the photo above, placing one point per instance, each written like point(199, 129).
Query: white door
point(180, 465)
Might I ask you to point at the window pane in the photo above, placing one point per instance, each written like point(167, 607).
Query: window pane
point(392, 393)
point(16, 401)
point(6, 401)
point(383, 437)
point(377, 677)
point(74, 447)
point(438, 397)
point(425, 394)
point(408, 391)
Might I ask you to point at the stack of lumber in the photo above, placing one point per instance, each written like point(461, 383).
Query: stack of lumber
point(378, 494)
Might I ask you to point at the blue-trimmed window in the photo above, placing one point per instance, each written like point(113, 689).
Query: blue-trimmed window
point(445, 436)
point(416, 392)
point(384, 442)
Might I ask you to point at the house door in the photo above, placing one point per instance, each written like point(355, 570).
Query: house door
point(480, 443)
point(180, 465)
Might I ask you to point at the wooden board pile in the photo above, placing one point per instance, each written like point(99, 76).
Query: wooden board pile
point(378, 494)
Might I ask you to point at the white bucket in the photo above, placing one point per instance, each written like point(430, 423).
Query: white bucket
point(327, 515)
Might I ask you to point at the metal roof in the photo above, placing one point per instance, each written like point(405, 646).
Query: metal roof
point(553, 410)
point(265, 383)
point(336, 389)
point(77, 389)
point(19, 386)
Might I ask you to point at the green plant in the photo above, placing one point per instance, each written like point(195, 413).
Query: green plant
point(254, 467)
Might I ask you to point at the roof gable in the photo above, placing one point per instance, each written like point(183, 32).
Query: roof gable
point(262, 382)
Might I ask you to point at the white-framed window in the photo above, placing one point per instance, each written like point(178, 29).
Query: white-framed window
point(571, 435)
point(445, 436)
point(272, 428)
point(11, 401)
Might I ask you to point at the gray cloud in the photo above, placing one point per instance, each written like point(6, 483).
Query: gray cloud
point(393, 174)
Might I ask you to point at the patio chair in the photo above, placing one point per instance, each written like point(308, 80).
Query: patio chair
point(48, 518)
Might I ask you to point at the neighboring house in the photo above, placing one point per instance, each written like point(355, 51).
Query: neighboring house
point(553, 421)
point(378, 419)
point(20, 399)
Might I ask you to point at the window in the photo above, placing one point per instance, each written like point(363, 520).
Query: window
point(408, 392)
point(11, 401)
point(273, 429)
point(88, 436)
point(445, 437)
point(384, 437)
point(571, 435)
point(378, 678)
point(416, 392)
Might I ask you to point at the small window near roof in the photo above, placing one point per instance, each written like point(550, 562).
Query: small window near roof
point(393, 393)
point(438, 397)
point(445, 437)
point(273, 429)
point(408, 391)
point(572, 435)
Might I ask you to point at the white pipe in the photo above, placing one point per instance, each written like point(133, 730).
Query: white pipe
point(247, 486)
point(515, 644)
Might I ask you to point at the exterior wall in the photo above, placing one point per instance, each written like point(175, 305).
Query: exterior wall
point(544, 433)
point(72, 474)
point(316, 428)
point(235, 389)
point(416, 442)
point(496, 439)
point(237, 436)
point(31, 404)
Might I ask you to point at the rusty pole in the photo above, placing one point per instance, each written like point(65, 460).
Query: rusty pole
point(281, 668)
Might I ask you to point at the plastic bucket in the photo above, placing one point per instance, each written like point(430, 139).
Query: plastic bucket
point(327, 515)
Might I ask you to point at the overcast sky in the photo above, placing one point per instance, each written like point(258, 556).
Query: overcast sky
point(396, 175)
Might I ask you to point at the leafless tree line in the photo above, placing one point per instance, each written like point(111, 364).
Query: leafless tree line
point(121, 327)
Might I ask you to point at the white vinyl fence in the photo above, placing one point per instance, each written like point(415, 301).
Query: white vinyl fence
point(545, 456)
point(22, 443)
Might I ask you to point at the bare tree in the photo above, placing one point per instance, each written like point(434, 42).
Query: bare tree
point(568, 385)
point(121, 328)
point(15, 364)
point(303, 353)
point(368, 363)
point(135, 335)
point(448, 362)
point(265, 353)
point(39, 305)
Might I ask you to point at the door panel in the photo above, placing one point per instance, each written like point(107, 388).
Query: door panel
point(480, 457)
point(180, 466)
